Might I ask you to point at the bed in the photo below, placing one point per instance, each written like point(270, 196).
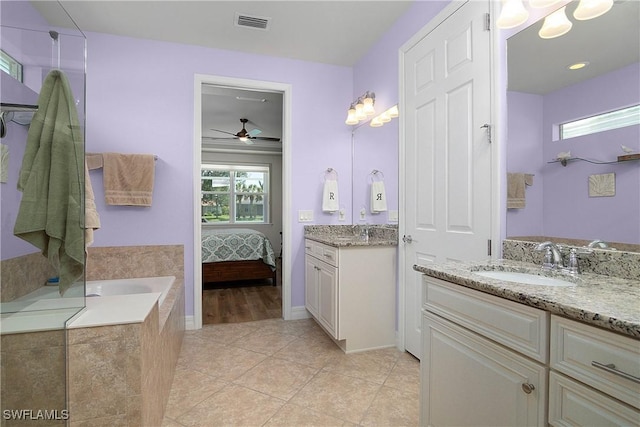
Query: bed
point(236, 254)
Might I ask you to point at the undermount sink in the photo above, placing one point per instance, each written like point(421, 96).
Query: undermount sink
point(524, 278)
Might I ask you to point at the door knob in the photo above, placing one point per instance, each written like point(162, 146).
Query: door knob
point(528, 388)
point(407, 239)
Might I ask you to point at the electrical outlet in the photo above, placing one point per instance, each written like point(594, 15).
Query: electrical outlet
point(393, 216)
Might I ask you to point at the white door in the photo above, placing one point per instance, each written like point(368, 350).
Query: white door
point(447, 153)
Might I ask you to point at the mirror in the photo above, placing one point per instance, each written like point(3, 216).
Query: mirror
point(375, 149)
point(565, 201)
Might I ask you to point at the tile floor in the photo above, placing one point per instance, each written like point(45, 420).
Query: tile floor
point(288, 373)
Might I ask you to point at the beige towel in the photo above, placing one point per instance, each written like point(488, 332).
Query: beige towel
point(128, 178)
point(91, 217)
point(516, 183)
point(93, 160)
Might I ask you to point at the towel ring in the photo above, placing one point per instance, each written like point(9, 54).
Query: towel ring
point(330, 171)
point(376, 173)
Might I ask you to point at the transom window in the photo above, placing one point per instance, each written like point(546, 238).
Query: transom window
point(601, 122)
point(234, 194)
point(10, 66)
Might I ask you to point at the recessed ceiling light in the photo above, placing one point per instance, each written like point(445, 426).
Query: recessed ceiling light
point(578, 65)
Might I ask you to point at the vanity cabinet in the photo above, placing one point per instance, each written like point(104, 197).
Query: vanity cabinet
point(473, 369)
point(351, 292)
point(492, 361)
point(595, 376)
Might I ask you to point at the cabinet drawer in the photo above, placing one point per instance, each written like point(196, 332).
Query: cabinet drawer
point(572, 403)
point(576, 346)
point(323, 252)
point(519, 327)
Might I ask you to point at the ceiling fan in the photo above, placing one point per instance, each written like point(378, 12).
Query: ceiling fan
point(247, 136)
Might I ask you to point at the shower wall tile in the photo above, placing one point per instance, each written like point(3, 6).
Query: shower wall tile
point(23, 274)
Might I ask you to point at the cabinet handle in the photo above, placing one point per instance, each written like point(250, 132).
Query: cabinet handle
point(528, 388)
point(611, 368)
point(328, 256)
point(307, 247)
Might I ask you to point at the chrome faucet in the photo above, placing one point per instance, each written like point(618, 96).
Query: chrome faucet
point(552, 257)
point(601, 244)
point(364, 232)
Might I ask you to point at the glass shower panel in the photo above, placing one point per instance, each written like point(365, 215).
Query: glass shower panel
point(33, 313)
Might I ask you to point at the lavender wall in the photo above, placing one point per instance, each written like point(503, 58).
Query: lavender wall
point(140, 99)
point(524, 155)
point(377, 71)
point(568, 209)
point(559, 204)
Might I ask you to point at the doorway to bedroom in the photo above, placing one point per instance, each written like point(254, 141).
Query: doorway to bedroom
point(240, 167)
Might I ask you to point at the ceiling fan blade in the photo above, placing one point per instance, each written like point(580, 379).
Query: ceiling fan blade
point(267, 138)
point(224, 131)
point(254, 132)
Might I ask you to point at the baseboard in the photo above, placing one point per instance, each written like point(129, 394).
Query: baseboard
point(298, 313)
point(189, 323)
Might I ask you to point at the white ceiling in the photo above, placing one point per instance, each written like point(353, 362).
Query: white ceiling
point(328, 31)
point(608, 42)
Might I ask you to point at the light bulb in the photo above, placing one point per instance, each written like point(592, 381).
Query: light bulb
point(375, 122)
point(555, 25)
point(360, 115)
point(385, 117)
point(589, 9)
point(393, 111)
point(513, 13)
point(368, 106)
point(351, 116)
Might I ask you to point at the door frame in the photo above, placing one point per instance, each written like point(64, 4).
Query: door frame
point(497, 155)
point(257, 85)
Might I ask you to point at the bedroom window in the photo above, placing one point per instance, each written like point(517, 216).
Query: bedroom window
point(233, 194)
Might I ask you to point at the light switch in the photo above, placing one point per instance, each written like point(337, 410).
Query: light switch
point(305, 216)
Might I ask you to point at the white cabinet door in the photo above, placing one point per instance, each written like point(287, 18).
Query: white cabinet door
point(311, 285)
point(327, 298)
point(574, 404)
point(468, 380)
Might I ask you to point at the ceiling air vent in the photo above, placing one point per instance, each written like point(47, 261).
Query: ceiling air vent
point(255, 22)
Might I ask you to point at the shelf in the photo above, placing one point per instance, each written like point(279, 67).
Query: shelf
point(18, 107)
point(620, 159)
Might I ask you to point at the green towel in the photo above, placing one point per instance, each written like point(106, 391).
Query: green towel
point(52, 181)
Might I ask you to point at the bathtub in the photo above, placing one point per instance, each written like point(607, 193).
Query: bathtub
point(107, 302)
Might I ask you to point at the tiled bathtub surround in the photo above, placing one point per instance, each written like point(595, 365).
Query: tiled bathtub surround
point(616, 263)
point(121, 375)
point(33, 375)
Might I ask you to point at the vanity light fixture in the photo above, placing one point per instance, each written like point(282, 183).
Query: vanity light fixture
point(578, 65)
point(513, 13)
point(555, 25)
point(589, 9)
point(539, 4)
point(361, 109)
point(384, 117)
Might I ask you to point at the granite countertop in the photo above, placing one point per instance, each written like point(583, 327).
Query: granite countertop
point(349, 235)
point(345, 241)
point(608, 302)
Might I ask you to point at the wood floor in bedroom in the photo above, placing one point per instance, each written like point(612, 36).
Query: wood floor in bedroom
point(238, 302)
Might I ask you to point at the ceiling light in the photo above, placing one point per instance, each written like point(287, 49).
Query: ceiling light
point(375, 122)
point(393, 111)
point(513, 13)
point(589, 9)
point(540, 4)
point(555, 25)
point(578, 65)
